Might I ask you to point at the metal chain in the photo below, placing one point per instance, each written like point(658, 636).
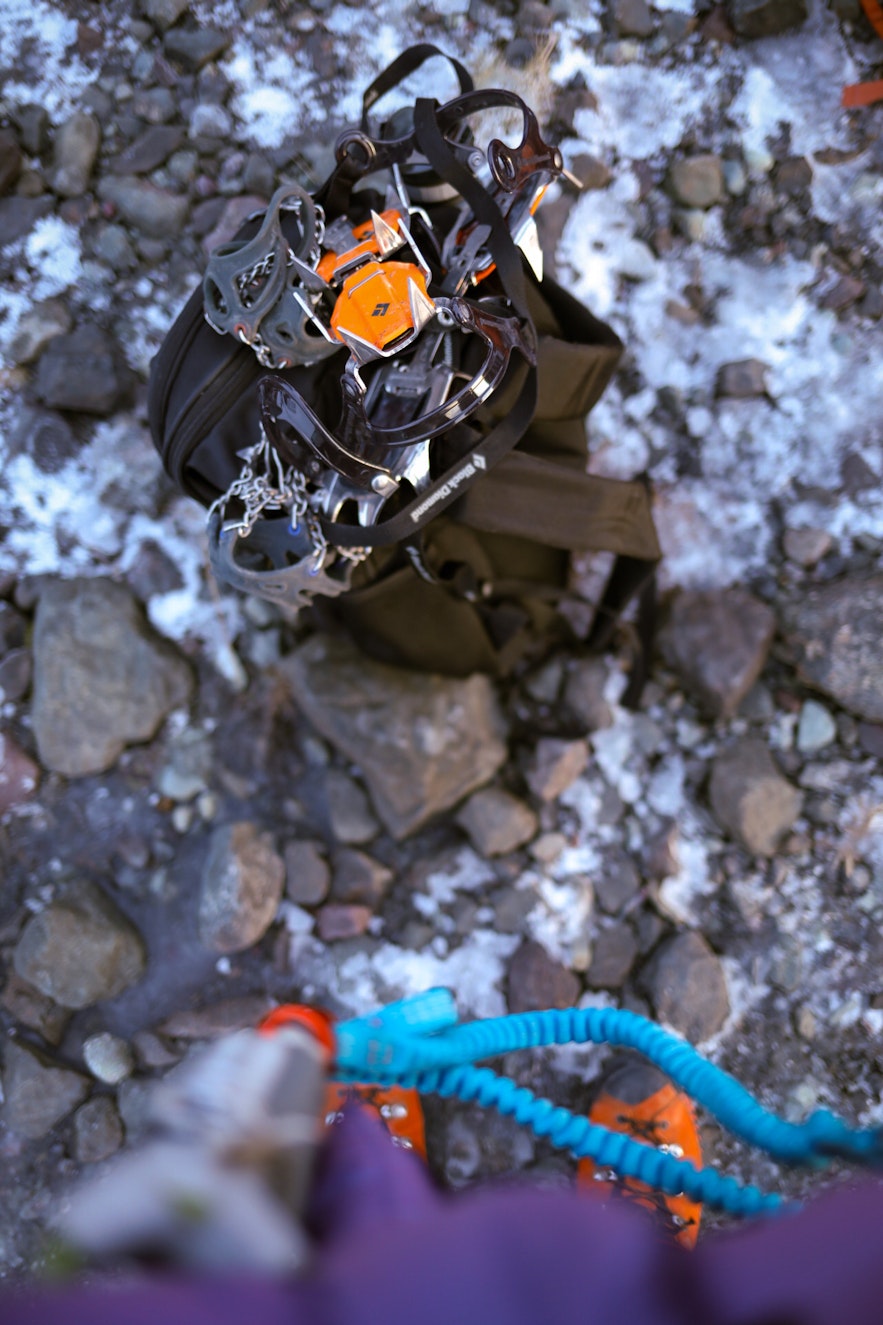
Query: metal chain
point(264, 484)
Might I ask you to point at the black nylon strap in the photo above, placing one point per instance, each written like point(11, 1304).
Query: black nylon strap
point(402, 66)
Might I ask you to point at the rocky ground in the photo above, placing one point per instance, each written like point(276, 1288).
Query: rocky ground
point(206, 807)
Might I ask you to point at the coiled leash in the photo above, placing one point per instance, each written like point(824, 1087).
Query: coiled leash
point(420, 1043)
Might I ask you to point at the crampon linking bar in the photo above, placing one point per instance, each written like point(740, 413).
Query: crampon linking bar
point(420, 1043)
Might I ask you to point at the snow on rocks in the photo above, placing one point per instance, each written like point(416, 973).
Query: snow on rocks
point(734, 241)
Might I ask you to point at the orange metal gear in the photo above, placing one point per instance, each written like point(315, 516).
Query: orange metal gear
point(376, 303)
point(367, 245)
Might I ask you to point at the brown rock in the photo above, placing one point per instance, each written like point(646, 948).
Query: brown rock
point(688, 988)
point(37, 1096)
point(697, 181)
point(357, 877)
point(742, 379)
point(80, 949)
point(717, 642)
point(555, 765)
point(835, 632)
point(242, 883)
point(535, 981)
point(19, 775)
point(613, 954)
point(422, 742)
point(342, 922)
point(497, 822)
point(751, 799)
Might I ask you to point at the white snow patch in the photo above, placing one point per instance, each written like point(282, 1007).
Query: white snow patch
point(271, 92)
point(474, 972)
point(469, 873)
point(641, 110)
point(39, 44)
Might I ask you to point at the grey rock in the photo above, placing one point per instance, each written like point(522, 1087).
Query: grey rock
point(242, 882)
point(751, 799)
point(535, 980)
point(153, 572)
point(19, 775)
point(98, 1131)
point(111, 245)
point(47, 437)
point(19, 215)
point(135, 1102)
point(32, 120)
point(358, 877)
point(617, 882)
point(80, 950)
point(13, 628)
point(816, 728)
point(718, 641)
point(806, 547)
point(742, 380)
point(37, 1097)
point(149, 150)
point(226, 223)
point(338, 921)
point(164, 13)
point(834, 630)
point(793, 175)
point(497, 822)
point(870, 738)
point(422, 742)
point(215, 1019)
point(194, 47)
point(80, 372)
point(350, 816)
point(102, 678)
point(156, 105)
point(188, 765)
point(614, 950)
point(108, 1057)
point(512, 906)
point(633, 18)
point(687, 986)
point(555, 765)
point(584, 693)
point(16, 669)
point(208, 120)
point(154, 212)
point(697, 181)
point(842, 293)
point(76, 149)
point(10, 160)
point(37, 327)
point(766, 18)
point(307, 875)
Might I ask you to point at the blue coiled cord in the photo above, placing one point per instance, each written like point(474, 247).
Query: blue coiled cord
point(419, 1043)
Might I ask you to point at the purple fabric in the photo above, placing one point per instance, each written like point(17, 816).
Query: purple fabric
point(391, 1249)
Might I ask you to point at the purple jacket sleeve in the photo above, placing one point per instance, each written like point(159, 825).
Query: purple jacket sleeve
point(392, 1250)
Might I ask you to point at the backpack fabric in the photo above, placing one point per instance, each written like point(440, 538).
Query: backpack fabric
point(478, 587)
